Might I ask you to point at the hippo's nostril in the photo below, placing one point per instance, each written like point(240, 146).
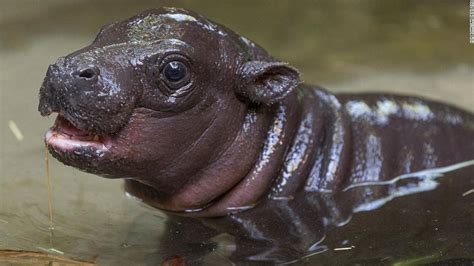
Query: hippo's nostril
point(88, 73)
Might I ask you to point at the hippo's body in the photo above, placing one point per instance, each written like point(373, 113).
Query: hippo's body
point(202, 122)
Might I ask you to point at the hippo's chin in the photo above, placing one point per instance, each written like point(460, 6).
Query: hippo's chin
point(65, 137)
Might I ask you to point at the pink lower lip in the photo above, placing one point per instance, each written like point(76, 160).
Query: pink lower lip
point(66, 137)
point(65, 142)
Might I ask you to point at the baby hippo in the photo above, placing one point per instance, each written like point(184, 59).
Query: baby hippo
point(202, 122)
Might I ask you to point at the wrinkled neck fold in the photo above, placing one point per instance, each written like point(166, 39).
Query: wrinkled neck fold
point(299, 144)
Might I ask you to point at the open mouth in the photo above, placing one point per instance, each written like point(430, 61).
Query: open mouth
point(65, 136)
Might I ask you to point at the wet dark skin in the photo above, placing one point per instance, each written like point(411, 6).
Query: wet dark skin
point(203, 123)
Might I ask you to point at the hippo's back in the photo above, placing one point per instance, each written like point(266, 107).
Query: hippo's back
point(395, 135)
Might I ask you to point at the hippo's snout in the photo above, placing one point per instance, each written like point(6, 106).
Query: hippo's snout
point(62, 80)
point(85, 90)
point(49, 98)
point(72, 75)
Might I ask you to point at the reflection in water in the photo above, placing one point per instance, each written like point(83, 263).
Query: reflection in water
point(424, 51)
point(402, 185)
point(287, 231)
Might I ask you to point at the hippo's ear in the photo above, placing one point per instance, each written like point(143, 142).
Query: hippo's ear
point(266, 82)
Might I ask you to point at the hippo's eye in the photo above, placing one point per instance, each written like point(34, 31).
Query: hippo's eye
point(175, 71)
point(175, 74)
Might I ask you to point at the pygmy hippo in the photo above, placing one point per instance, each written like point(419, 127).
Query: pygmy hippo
point(202, 122)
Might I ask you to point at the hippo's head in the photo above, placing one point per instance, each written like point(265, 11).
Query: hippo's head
point(157, 97)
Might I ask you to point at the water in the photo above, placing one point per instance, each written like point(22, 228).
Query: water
point(399, 46)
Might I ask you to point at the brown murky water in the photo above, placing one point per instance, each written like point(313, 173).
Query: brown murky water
point(410, 47)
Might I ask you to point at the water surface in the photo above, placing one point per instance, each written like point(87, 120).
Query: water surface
point(410, 47)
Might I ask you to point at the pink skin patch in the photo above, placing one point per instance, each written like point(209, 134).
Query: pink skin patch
point(66, 137)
